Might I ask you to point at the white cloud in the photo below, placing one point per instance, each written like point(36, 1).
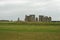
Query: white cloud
point(18, 8)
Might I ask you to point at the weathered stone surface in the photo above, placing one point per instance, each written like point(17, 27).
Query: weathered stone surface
point(32, 18)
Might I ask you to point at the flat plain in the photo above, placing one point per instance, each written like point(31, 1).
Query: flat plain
point(17, 31)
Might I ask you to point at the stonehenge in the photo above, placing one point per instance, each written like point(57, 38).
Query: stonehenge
point(41, 18)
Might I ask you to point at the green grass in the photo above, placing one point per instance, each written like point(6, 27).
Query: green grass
point(29, 27)
point(29, 31)
point(29, 36)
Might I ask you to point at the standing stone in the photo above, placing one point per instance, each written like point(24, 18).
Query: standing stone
point(36, 19)
point(18, 19)
point(41, 18)
point(30, 18)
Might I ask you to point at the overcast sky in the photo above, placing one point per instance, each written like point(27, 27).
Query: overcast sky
point(12, 9)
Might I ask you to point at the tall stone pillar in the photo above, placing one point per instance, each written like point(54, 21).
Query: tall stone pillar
point(18, 19)
point(32, 18)
point(36, 19)
point(50, 19)
point(41, 18)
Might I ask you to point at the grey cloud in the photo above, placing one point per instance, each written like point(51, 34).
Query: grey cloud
point(37, 7)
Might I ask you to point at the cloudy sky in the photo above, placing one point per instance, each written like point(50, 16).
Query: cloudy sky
point(12, 9)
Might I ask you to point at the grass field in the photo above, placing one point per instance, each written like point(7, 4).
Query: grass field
point(17, 31)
